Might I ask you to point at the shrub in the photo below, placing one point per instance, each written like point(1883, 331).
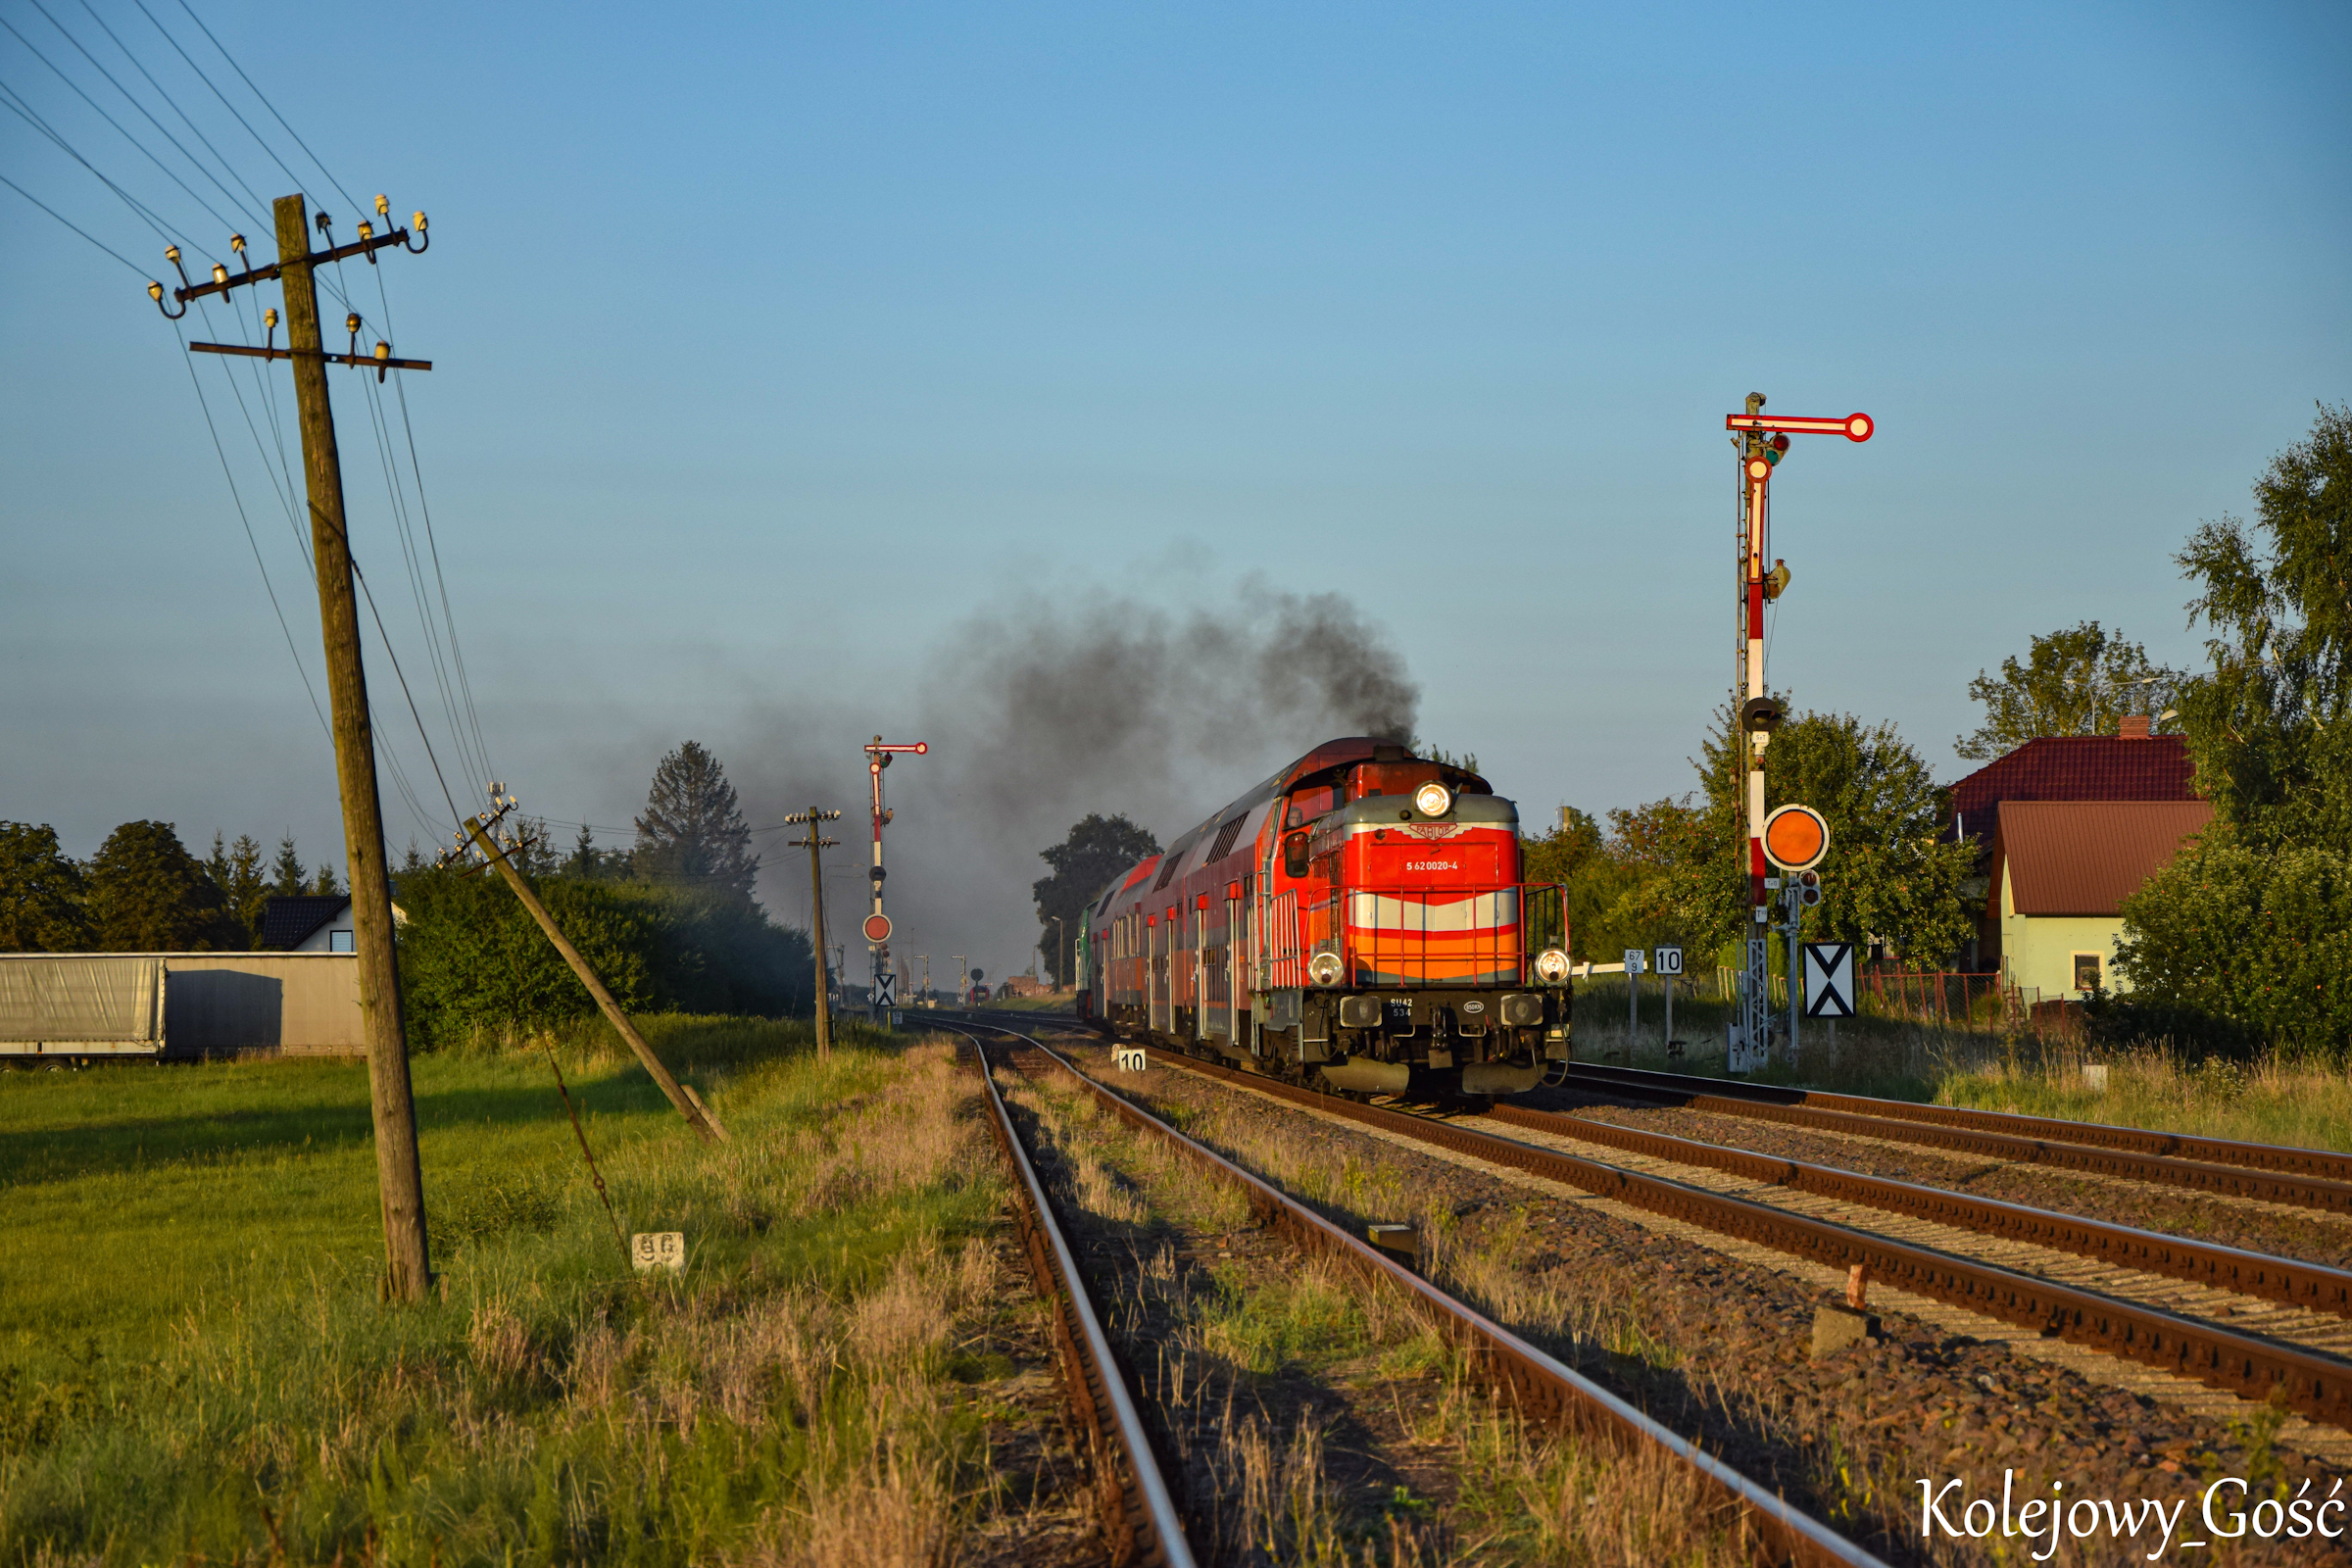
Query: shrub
point(474, 965)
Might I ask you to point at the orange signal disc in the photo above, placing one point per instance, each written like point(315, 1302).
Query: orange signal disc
point(1795, 838)
point(877, 928)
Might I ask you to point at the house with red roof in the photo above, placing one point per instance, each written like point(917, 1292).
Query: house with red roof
point(2068, 826)
point(2061, 870)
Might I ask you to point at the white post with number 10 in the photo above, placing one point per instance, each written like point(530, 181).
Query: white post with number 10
point(1670, 965)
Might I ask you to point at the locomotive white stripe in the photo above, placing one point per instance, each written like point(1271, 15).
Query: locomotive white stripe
point(1480, 911)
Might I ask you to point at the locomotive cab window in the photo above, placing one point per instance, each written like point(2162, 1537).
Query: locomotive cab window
point(1309, 803)
point(1293, 855)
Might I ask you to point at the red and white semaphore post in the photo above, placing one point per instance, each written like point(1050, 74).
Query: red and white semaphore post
point(881, 999)
point(1762, 440)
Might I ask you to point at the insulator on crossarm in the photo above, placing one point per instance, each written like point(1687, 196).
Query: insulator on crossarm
point(220, 274)
point(155, 292)
point(419, 222)
point(384, 207)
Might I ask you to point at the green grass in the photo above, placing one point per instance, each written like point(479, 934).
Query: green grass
point(193, 1358)
point(2278, 1098)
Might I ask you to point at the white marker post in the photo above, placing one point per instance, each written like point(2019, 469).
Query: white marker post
point(1670, 965)
point(1632, 998)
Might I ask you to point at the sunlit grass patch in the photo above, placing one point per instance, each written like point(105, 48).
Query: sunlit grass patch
point(195, 1360)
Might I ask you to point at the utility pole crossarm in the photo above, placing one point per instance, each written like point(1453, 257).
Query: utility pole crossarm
point(380, 361)
point(224, 280)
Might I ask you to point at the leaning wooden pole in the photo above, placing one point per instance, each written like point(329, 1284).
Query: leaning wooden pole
point(689, 1105)
point(391, 1100)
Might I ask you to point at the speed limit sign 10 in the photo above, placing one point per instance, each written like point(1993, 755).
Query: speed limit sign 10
point(1670, 961)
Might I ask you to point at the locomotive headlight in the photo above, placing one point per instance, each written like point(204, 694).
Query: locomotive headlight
point(1552, 967)
point(1433, 799)
point(1324, 968)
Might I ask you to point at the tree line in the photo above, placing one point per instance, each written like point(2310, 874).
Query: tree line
point(142, 892)
point(669, 922)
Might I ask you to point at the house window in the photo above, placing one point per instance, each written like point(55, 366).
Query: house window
point(340, 942)
point(2086, 971)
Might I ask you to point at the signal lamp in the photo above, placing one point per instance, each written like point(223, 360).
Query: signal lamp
point(1552, 967)
point(1324, 968)
point(1780, 443)
point(1433, 799)
point(1808, 888)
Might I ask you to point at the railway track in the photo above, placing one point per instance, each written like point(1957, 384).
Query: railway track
point(1138, 1517)
point(2306, 1302)
point(1544, 1391)
point(2318, 1179)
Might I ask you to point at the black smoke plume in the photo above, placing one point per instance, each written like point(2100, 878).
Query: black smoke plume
point(1040, 710)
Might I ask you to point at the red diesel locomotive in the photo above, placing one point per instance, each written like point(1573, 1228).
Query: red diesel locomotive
point(1356, 921)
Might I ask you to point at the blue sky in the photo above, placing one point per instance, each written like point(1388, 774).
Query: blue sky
point(773, 345)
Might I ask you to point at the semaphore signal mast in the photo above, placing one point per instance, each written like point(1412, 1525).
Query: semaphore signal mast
point(883, 996)
point(1762, 440)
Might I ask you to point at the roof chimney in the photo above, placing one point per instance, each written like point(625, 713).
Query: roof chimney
point(2133, 728)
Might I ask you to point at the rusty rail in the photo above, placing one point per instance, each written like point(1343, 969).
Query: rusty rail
point(2270, 1172)
point(2250, 1365)
point(1139, 1516)
point(1540, 1387)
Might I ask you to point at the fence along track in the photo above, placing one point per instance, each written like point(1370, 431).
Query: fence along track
point(2310, 1178)
point(1542, 1390)
point(1138, 1517)
point(2314, 1384)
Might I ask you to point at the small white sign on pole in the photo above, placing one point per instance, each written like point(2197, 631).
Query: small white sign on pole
point(1634, 960)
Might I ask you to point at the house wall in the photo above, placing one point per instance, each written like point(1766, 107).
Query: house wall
point(2037, 950)
point(334, 937)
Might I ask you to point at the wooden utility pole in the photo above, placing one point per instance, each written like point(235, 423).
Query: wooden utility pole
point(392, 1103)
point(690, 1105)
point(814, 842)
